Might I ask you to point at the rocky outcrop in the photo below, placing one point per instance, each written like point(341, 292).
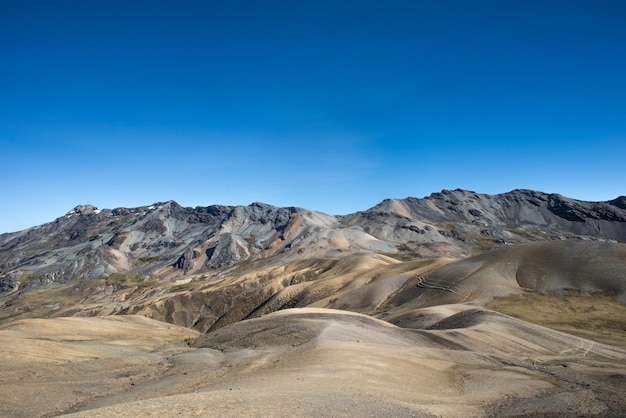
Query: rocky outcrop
point(84, 210)
point(229, 250)
point(185, 261)
point(8, 283)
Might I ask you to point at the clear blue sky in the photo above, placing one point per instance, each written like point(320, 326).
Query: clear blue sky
point(328, 105)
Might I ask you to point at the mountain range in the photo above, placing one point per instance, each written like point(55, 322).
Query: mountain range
point(169, 240)
point(248, 286)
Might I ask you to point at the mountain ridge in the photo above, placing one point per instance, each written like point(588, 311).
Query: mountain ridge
point(504, 218)
point(170, 240)
point(86, 208)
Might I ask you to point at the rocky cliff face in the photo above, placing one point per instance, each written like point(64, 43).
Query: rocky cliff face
point(171, 241)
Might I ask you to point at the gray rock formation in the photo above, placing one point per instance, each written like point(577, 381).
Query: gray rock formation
point(229, 250)
point(166, 239)
point(185, 261)
point(8, 283)
point(468, 223)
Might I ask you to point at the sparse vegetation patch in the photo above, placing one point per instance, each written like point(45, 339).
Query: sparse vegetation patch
point(121, 280)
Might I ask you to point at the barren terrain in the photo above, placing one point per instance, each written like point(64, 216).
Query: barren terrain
point(306, 362)
point(263, 311)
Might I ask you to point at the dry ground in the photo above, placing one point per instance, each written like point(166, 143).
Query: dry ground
point(597, 316)
point(306, 362)
point(411, 339)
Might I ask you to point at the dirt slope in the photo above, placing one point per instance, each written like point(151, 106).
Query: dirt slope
point(313, 362)
point(412, 338)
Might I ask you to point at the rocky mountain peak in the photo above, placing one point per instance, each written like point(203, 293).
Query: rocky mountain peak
point(83, 210)
point(620, 202)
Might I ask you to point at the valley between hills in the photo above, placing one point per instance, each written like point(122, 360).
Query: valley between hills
point(455, 304)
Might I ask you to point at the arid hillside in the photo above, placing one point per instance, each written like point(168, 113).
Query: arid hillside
point(458, 304)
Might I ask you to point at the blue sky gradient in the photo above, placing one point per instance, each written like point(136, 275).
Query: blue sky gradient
point(328, 105)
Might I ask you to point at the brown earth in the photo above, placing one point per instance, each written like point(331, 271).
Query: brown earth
point(437, 337)
point(597, 316)
point(306, 362)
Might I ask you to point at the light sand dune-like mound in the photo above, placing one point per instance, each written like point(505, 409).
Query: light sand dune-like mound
point(555, 267)
point(309, 362)
point(50, 365)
